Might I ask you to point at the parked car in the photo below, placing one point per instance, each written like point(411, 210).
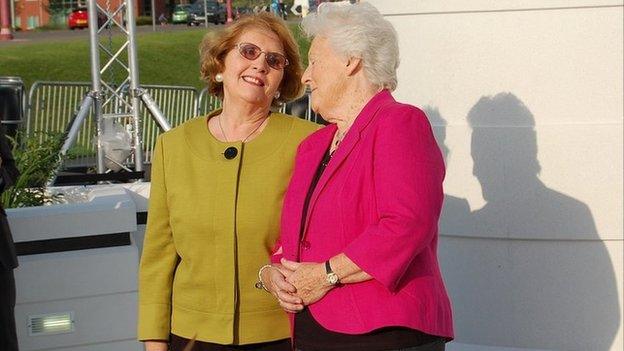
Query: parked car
point(79, 18)
point(242, 11)
point(216, 13)
point(181, 13)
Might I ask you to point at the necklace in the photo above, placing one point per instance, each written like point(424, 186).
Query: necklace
point(338, 139)
point(247, 137)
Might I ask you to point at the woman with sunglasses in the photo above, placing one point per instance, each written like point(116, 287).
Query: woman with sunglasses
point(217, 185)
point(359, 233)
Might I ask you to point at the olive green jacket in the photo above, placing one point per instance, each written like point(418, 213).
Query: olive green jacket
point(212, 222)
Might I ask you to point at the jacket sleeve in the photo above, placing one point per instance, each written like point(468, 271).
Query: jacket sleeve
point(408, 171)
point(158, 260)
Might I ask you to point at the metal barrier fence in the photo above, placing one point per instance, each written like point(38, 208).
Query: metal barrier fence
point(300, 108)
point(50, 109)
point(206, 102)
point(12, 102)
point(52, 106)
point(177, 103)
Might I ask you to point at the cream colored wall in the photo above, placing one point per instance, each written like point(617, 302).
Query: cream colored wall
point(532, 259)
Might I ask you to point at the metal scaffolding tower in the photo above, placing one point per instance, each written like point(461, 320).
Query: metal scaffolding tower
point(123, 96)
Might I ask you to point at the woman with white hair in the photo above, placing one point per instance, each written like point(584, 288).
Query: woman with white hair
point(356, 263)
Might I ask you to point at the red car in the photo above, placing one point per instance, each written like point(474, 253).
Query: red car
point(79, 18)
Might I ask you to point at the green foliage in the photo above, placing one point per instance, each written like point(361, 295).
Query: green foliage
point(37, 158)
point(56, 7)
point(303, 41)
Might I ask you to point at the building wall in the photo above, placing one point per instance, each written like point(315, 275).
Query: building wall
point(30, 14)
point(526, 99)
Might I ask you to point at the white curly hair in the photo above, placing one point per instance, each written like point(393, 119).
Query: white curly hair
point(359, 30)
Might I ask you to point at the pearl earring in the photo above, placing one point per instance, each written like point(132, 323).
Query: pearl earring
point(277, 95)
point(219, 77)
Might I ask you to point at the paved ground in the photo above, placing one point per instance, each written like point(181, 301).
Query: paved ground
point(66, 34)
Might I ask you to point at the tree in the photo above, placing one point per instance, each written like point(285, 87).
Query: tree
point(59, 7)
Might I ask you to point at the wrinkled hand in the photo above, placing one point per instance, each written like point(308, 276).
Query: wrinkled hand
point(309, 280)
point(275, 281)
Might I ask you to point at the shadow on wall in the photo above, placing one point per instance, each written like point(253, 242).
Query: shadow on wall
point(455, 214)
point(527, 269)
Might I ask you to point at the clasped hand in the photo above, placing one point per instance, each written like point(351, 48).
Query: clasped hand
point(296, 284)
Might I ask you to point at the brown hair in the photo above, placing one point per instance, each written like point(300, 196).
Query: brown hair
point(215, 46)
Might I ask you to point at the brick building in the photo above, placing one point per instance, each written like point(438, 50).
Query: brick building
point(30, 14)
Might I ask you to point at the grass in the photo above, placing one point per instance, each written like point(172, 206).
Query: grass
point(168, 58)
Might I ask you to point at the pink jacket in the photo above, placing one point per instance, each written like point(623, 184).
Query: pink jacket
point(378, 202)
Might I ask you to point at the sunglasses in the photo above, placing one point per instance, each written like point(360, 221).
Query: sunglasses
point(273, 59)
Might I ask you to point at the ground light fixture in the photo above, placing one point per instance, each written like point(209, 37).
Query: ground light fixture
point(51, 323)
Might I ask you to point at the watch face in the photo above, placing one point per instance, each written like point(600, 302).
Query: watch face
point(332, 278)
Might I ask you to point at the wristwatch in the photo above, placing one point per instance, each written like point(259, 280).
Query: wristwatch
point(332, 278)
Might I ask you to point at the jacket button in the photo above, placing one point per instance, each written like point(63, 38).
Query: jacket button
point(305, 245)
point(230, 153)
